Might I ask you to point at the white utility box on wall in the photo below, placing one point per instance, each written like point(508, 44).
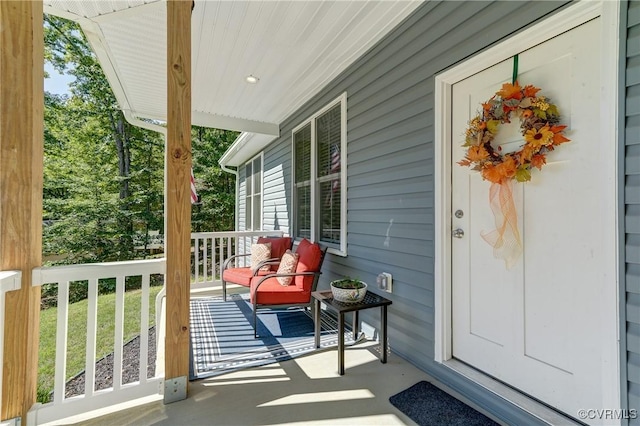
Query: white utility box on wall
point(385, 282)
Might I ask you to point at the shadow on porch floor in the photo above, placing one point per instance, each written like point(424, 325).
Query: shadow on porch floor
point(305, 390)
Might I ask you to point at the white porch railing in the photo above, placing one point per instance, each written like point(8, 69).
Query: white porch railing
point(210, 250)
point(63, 407)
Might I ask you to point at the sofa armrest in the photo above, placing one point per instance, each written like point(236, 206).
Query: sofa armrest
point(226, 263)
point(268, 262)
point(263, 278)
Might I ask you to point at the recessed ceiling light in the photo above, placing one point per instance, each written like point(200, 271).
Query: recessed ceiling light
point(251, 79)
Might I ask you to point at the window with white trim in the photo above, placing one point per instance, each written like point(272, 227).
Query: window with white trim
point(319, 176)
point(253, 194)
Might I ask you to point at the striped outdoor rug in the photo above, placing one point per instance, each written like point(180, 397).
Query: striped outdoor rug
point(222, 336)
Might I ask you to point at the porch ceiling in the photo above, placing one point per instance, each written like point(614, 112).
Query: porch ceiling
point(294, 47)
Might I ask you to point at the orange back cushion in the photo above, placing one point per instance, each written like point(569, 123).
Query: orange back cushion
point(309, 257)
point(279, 245)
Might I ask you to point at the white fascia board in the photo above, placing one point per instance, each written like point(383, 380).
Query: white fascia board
point(93, 32)
point(233, 123)
point(246, 146)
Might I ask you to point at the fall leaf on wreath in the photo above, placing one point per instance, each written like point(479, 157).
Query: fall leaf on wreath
point(553, 110)
point(540, 114)
point(510, 91)
point(557, 137)
point(527, 152)
point(492, 126)
point(538, 161)
point(476, 154)
point(525, 103)
point(523, 175)
point(530, 91)
point(464, 162)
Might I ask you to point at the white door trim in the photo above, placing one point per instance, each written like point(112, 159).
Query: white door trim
point(552, 26)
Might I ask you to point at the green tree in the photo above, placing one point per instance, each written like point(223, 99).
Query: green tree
point(103, 176)
point(216, 188)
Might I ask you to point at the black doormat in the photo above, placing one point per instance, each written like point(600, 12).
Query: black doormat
point(427, 405)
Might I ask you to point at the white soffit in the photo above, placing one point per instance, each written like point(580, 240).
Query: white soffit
point(295, 48)
point(244, 148)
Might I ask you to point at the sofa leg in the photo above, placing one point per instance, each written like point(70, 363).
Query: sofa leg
point(255, 322)
point(224, 291)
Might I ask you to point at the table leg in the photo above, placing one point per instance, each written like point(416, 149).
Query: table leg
point(341, 343)
point(356, 326)
point(316, 322)
point(383, 334)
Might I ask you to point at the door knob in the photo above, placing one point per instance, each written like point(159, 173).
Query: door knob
point(457, 233)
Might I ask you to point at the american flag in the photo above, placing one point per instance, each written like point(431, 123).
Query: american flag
point(335, 165)
point(194, 194)
point(335, 158)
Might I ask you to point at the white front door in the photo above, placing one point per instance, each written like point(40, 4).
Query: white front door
point(539, 326)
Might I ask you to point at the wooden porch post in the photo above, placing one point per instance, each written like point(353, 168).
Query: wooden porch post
point(178, 199)
point(21, 153)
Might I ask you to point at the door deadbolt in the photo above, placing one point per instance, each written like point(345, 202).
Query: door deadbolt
point(459, 213)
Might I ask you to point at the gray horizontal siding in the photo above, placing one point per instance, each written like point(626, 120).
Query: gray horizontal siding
point(632, 204)
point(390, 137)
point(242, 194)
point(276, 199)
point(390, 197)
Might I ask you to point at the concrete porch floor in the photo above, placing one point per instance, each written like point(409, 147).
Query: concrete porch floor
point(306, 390)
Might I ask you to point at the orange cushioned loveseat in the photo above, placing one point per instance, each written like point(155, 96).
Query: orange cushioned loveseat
point(243, 275)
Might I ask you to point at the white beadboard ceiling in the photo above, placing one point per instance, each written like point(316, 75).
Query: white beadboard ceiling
point(294, 47)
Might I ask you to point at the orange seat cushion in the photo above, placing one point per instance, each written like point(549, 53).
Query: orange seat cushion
point(241, 276)
point(271, 292)
point(309, 257)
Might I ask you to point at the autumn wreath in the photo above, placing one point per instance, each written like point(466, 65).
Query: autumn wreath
point(539, 121)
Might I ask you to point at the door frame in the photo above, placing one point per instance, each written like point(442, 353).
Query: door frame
point(549, 27)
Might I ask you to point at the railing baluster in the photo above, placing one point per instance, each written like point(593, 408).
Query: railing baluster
point(196, 260)
point(119, 334)
point(61, 342)
point(92, 327)
point(217, 253)
point(205, 257)
point(144, 328)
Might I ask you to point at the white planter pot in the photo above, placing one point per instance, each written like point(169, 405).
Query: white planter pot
point(349, 295)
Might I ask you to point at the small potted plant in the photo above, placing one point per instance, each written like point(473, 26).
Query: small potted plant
point(348, 290)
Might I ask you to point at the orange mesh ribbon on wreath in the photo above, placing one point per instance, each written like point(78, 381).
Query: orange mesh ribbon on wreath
point(505, 239)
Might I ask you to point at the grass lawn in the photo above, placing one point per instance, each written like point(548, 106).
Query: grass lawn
point(77, 334)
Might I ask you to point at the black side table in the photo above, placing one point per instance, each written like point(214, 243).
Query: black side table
point(371, 300)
